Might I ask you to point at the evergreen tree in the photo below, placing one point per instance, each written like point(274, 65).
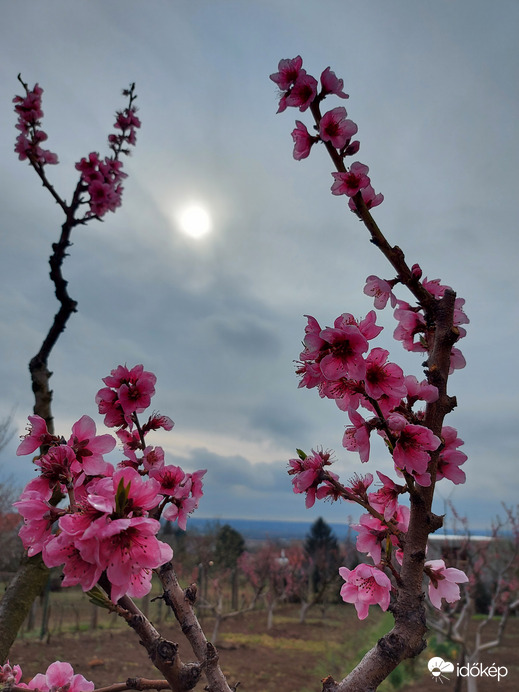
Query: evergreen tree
point(229, 545)
point(322, 548)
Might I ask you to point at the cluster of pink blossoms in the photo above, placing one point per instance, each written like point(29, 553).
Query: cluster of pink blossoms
point(111, 524)
point(342, 365)
point(59, 677)
point(339, 362)
point(367, 585)
point(300, 90)
point(101, 178)
point(28, 142)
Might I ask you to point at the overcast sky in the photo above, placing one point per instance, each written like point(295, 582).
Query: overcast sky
point(433, 89)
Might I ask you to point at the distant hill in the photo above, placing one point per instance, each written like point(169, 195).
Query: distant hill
point(261, 529)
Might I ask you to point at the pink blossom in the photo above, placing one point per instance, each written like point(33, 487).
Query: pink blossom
point(126, 492)
point(288, 72)
point(303, 141)
point(382, 377)
point(196, 483)
point(420, 390)
point(134, 389)
point(358, 485)
point(128, 546)
point(347, 344)
point(401, 519)
point(368, 326)
point(89, 447)
point(457, 361)
point(59, 678)
point(38, 436)
point(65, 549)
point(411, 451)
point(380, 290)
point(311, 375)
point(450, 457)
point(313, 342)
point(136, 392)
point(188, 498)
point(385, 499)
point(28, 108)
point(108, 405)
point(170, 478)
point(131, 441)
point(102, 178)
point(153, 457)
point(364, 586)
point(335, 128)
point(351, 150)
point(126, 120)
point(370, 197)
point(29, 149)
point(372, 532)
point(104, 197)
point(183, 490)
point(90, 168)
point(416, 271)
point(30, 113)
point(410, 323)
point(180, 509)
point(303, 92)
point(308, 473)
point(10, 675)
point(352, 181)
point(459, 316)
point(39, 517)
point(157, 421)
point(331, 84)
point(396, 421)
point(56, 465)
point(444, 582)
point(356, 437)
point(346, 393)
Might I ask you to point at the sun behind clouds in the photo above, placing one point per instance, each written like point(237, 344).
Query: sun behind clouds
point(195, 221)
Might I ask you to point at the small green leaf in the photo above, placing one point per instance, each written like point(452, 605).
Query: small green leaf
point(97, 596)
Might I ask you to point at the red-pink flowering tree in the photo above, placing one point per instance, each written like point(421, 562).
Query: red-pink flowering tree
point(492, 566)
point(107, 532)
point(267, 570)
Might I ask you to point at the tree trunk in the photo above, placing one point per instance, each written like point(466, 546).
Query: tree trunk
point(26, 585)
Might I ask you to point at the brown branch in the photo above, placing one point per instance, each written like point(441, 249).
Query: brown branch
point(181, 602)
point(406, 639)
point(130, 684)
point(38, 365)
point(181, 677)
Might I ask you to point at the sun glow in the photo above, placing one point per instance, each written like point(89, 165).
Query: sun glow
point(195, 221)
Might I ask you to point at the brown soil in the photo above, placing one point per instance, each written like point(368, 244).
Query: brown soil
point(290, 657)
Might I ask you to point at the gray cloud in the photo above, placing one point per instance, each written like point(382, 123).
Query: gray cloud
point(221, 321)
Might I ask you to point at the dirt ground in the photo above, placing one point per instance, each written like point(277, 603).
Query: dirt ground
point(290, 657)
